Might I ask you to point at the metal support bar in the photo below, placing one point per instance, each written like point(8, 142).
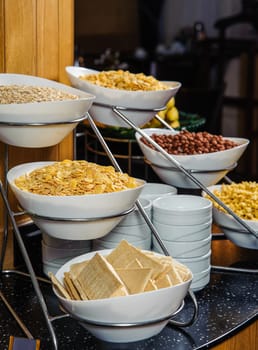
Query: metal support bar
point(148, 221)
point(172, 160)
point(29, 267)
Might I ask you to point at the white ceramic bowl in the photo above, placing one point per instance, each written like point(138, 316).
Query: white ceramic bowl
point(135, 218)
point(129, 309)
point(182, 210)
point(85, 206)
point(183, 233)
point(76, 229)
point(42, 112)
point(50, 266)
point(198, 264)
point(35, 136)
point(190, 249)
point(217, 161)
point(123, 98)
point(201, 279)
point(64, 243)
point(232, 229)
point(24, 125)
point(154, 190)
point(53, 253)
point(176, 177)
point(144, 243)
point(128, 232)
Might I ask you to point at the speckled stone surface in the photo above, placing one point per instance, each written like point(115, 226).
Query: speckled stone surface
point(226, 304)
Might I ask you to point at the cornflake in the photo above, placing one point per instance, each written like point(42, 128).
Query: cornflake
point(70, 178)
point(124, 80)
point(241, 197)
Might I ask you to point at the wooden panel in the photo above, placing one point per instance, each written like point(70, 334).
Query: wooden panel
point(46, 49)
point(2, 39)
point(66, 37)
point(20, 36)
point(247, 339)
point(36, 38)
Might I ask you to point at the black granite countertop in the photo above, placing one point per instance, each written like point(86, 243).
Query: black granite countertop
point(226, 305)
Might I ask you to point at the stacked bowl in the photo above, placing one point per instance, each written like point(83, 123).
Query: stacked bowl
point(184, 225)
point(56, 252)
point(132, 228)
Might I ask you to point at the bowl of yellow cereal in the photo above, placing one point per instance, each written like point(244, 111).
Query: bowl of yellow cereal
point(138, 96)
point(72, 199)
point(38, 112)
point(241, 198)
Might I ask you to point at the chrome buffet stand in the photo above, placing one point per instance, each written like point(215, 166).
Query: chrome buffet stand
point(9, 214)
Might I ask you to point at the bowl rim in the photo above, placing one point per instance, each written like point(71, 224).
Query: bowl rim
point(180, 211)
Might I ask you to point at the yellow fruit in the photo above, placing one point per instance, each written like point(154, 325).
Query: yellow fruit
point(154, 123)
point(175, 124)
point(171, 103)
point(162, 114)
point(172, 114)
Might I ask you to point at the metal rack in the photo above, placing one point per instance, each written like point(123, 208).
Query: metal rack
point(48, 318)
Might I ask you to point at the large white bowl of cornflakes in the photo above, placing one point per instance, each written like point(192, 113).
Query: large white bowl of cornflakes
point(241, 198)
point(113, 287)
point(74, 199)
point(138, 92)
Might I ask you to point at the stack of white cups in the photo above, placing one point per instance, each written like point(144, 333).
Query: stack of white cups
point(184, 224)
point(132, 228)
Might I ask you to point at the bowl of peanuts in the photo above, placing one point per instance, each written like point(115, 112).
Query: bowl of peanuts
point(208, 157)
point(71, 199)
point(138, 96)
point(241, 198)
point(119, 300)
point(37, 112)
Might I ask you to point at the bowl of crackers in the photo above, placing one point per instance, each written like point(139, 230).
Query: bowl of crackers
point(71, 199)
point(38, 112)
point(122, 295)
point(241, 198)
point(138, 96)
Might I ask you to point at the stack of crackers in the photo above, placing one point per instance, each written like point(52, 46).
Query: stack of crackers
point(126, 270)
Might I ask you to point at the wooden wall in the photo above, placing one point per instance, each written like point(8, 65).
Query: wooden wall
point(36, 38)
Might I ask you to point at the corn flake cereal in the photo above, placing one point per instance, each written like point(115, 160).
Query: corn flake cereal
point(69, 178)
point(242, 198)
point(124, 80)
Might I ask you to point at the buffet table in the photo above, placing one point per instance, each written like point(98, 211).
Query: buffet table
point(226, 306)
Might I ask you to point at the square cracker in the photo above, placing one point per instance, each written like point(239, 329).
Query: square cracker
point(135, 280)
point(99, 280)
point(124, 253)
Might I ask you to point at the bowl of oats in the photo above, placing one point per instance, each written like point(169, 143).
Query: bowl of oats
point(74, 199)
point(241, 198)
point(137, 96)
point(37, 112)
